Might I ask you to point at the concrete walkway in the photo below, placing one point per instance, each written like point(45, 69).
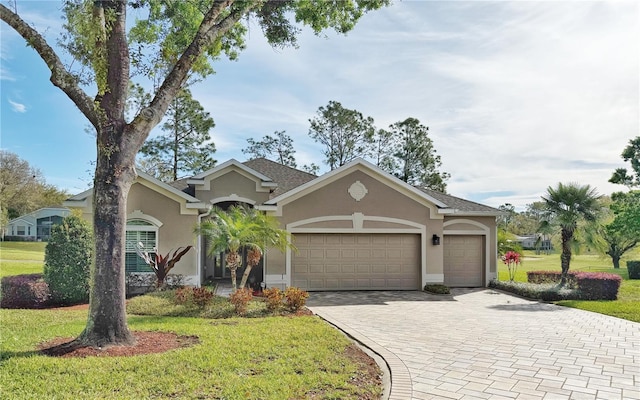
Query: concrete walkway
point(482, 344)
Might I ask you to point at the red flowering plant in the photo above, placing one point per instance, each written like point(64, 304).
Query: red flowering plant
point(512, 259)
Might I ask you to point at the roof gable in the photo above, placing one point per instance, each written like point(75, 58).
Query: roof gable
point(205, 178)
point(187, 201)
point(368, 168)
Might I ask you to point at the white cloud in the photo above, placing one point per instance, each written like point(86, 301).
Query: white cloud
point(17, 107)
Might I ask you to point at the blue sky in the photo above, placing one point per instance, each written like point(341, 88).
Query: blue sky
point(518, 96)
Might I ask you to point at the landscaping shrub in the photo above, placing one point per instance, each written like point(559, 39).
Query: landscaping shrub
point(67, 261)
point(295, 298)
point(273, 298)
point(437, 289)
point(240, 300)
point(634, 269)
point(550, 277)
point(200, 297)
point(141, 283)
point(24, 291)
point(597, 285)
point(539, 291)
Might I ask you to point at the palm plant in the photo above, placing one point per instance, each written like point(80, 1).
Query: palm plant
point(566, 205)
point(238, 228)
point(268, 234)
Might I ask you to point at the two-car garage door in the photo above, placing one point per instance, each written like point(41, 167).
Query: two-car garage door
point(334, 261)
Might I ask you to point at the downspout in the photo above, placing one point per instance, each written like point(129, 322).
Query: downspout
point(199, 247)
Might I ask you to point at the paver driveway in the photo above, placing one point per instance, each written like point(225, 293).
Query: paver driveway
point(482, 344)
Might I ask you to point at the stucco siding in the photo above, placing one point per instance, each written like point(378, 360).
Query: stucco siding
point(176, 230)
point(232, 183)
point(334, 199)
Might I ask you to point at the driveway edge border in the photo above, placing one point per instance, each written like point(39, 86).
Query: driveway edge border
point(400, 378)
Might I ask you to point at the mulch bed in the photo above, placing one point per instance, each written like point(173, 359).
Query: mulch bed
point(146, 343)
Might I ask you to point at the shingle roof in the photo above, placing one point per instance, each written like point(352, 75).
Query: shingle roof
point(286, 177)
point(181, 184)
point(461, 205)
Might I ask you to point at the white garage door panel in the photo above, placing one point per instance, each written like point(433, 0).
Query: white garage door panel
point(463, 261)
point(356, 262)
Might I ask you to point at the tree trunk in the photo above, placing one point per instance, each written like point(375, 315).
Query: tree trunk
point(245, 276)
point(107, 324)
point(233, 260)
point(565, 258)
point(616, 261)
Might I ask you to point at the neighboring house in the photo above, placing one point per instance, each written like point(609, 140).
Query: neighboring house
point(355, 228)
point(535, 241)
point(35, 226)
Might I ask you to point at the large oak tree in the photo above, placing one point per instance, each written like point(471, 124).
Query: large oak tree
point(186, 36)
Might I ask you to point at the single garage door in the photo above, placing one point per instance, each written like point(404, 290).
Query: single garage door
point(356, 262)
point(463, 265)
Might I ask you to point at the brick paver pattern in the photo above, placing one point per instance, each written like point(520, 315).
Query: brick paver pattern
point(482, 344)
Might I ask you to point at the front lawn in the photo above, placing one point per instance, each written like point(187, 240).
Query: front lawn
point(628, 304)
point(237, 358)
point(33, 251)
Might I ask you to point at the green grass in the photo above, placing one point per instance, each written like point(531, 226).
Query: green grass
point(22, 251)
point(237, 358)
point(628, 304)
point(18, 258)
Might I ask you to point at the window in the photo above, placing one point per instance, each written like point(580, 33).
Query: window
point(21, 230)
point(139, 231)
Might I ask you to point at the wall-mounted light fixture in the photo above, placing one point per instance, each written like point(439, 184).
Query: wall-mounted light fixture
point(435, 239)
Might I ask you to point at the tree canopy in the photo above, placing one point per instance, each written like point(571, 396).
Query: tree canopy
point(345, 134)
point(185, 147)
point(413, 158)
point(631, 154)
point(23, 188)
point(171, 40)
point(278, 147)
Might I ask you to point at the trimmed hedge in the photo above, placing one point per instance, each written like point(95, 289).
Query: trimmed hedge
point(590, 285)
point(24, 291)
point(633, 266)
point(550, 277)
point(538, 291)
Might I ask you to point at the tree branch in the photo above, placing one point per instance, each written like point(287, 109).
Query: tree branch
point(211, 28)
point(60, 77)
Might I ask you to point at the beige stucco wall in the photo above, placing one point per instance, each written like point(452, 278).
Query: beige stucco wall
point(232, 182)
point(176, 229)
point(380, 201)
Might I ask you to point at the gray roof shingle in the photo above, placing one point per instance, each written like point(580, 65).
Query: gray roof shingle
point(461, 205)
point(286, 177)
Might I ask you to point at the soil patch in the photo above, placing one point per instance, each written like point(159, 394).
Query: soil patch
point(146, 343)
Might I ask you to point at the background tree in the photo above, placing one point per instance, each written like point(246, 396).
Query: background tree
point(382, 150)
point(415, 159)
point(345, 134)
point(278, 147)
point(23, 188)
point(631, 153)
point(509, 211)
point(312, 168)
point(566, 205)
point(186, 143)
point(184, 36)
point(618, 230)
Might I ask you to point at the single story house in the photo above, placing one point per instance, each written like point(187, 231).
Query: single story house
point(35, 226)
point(355, 228)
